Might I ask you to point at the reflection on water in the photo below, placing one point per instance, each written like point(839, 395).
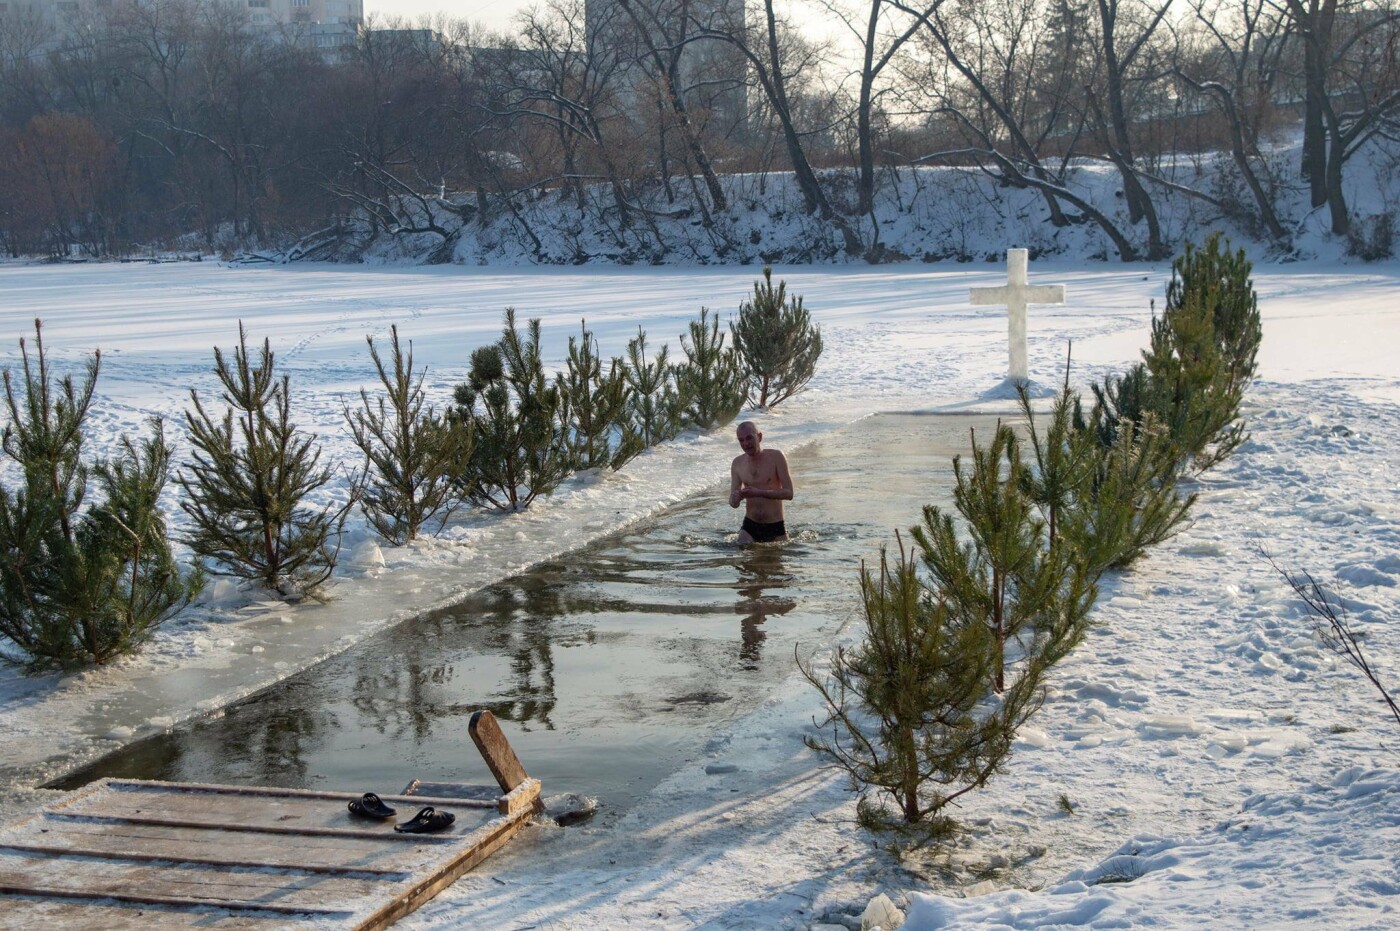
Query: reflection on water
point(609, 667)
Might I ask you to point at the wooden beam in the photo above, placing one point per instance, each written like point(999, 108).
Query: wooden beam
point(139, 857)
point(524, 795)
point(127, 785)
point(390, 836)
point(138, 899)
point(496, 751)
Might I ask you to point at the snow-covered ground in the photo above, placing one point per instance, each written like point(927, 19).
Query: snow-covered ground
point(1213, 753)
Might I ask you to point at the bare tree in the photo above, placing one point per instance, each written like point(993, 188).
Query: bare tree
point(1351, 83)
point(1236, 69)
point(663, 31)
point(777, 57)
point(1126, 31)
point(881, 29)
point(994, 93)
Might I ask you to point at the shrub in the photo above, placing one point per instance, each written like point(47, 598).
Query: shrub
point(777, 342)
point(911, 709)
point(80, 587)
point(710, 380)
point(593, 405)
point(655, 410)
point(248, 478)
point(413, 457)
point(1110, 501)
point(1220, 280)
point(519, 451)
point(1004, 576)
point(907, 707)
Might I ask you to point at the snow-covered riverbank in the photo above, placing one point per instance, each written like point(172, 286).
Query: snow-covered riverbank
point(1200, 690)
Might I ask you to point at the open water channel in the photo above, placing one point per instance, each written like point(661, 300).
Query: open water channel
point(608, 667)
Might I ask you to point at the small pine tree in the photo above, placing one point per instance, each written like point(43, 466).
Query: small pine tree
point(80, 587)
point(1125, 399)
point(1005, 576)
point(654, 409)
point(710, 380)
point(911, 709)
point(129, 582)
point(777, 342)
point(593, 403)
point(519, 450)
point(1221, 281)
point(414, 458)
point(248, 478)
point(1196, 395)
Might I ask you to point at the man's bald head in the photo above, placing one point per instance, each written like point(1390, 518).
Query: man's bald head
point(749, 437)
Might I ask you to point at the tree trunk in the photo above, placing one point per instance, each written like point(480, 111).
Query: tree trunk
point(1336, 197)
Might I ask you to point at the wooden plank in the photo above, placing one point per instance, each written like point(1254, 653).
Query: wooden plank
point(209, 885)
point(388, 835)
point(27, 913)
point(210, 788)
point(173, 806)
point(496, 751)
point(448, 793)
point(136, 898)
point(197, 846)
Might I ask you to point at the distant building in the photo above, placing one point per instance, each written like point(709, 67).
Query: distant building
point(327, 25)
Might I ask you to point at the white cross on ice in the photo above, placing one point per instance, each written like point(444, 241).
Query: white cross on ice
point(1015, 295)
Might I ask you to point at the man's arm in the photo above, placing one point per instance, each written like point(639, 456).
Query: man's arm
point(735, 496)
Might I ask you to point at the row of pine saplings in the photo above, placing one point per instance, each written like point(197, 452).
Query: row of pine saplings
point(83, 581)
point(963, 625)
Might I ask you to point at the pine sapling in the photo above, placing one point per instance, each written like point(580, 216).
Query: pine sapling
point(414, 458)
point(248, 479)
point(593, 403)
point(129, 583)
point(1221, 280)
point(653, 408)
point(777, 342)
point(519, 450)
point(910, 710)
point(710, 380)
point(79, 587)
point(991, 576)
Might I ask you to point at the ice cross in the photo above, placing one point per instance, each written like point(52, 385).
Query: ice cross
point(1015, 295)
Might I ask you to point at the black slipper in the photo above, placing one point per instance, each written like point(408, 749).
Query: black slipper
point(370, 806)
point(427, 821)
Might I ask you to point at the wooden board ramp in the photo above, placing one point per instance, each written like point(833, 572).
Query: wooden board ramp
point(147, 856)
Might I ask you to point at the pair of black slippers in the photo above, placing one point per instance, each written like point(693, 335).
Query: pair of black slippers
point(427, 821)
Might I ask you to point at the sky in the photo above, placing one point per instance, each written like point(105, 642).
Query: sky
point(496, 14)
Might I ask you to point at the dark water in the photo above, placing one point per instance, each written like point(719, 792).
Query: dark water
point(608, 668)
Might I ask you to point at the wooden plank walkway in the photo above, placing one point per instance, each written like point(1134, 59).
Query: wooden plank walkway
point(153, 855)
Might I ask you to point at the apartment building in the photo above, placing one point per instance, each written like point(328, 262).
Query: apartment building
point(320, 12)
point(260, 12)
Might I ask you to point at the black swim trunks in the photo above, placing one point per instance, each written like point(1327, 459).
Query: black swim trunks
point(764, 533)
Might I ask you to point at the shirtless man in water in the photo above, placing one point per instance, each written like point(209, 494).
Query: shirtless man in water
point(760, 479)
